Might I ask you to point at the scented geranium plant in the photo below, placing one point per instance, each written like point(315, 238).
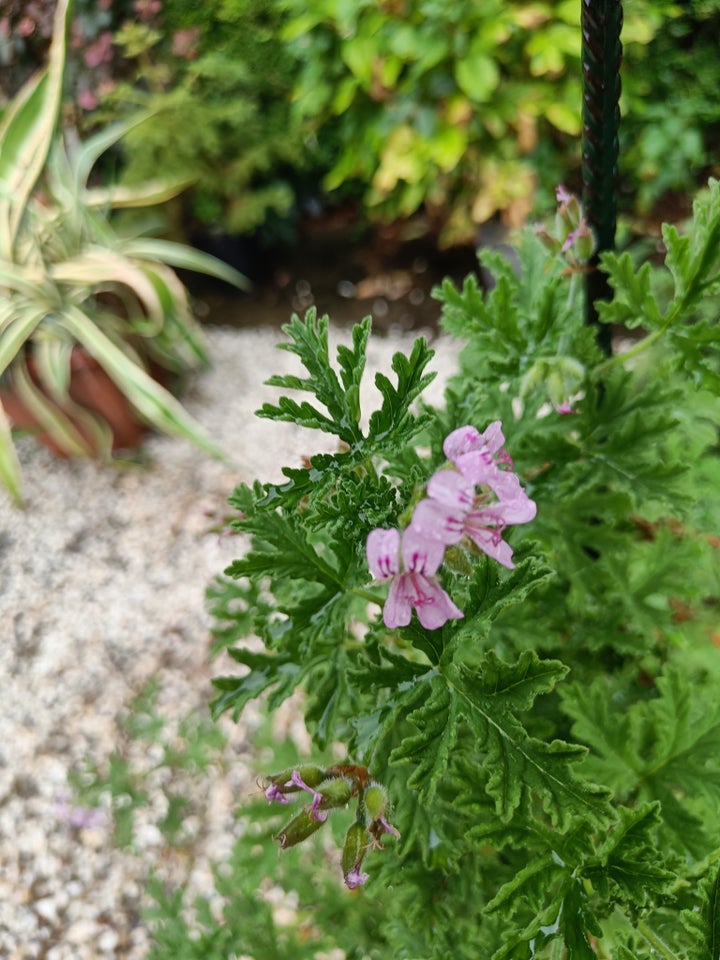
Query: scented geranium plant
point(501, 614)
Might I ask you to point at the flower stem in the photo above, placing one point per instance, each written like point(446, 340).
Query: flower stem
point(366, 595)
point(639, 348)
point(655, 941)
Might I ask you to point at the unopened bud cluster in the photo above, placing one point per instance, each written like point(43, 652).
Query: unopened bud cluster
point(562, 378)
point(572, 235)
point(333, 788)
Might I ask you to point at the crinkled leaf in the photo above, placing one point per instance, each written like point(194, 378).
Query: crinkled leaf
point(703, 922)
point(437, 718)
point(308, 339)
point(517, 762)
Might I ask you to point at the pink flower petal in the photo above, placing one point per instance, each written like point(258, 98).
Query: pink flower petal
point(434, 607)
point(398, 609)
point(382, 553)
point(478, 467)
point(460, 441)
point(452, 489)
point(355, 879)
point(521, 509)
point(421, 554)
point(274, 794)
point(491, 544)
point(434, 521)
point(493, 438)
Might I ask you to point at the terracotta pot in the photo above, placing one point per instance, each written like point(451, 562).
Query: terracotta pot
point(91, 388)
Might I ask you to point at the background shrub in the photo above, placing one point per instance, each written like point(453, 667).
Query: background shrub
point(463, 113)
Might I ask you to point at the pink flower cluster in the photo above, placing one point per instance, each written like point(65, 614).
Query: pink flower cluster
point(471, 502)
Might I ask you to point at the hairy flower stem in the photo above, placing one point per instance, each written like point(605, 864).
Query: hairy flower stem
point(656, 942)
point(602, 368)
point(679, 306)
point(366, 595)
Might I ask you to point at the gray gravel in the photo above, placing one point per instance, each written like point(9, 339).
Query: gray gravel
point(102, 580)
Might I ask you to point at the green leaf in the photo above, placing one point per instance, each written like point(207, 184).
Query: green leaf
point(436, 716)
point(693, 259)
point(26, 134)
point(97, 265)
point(516, 762)
point(477, 76)
point(309, 340)
point(394, 418)
point(630, 869)
point(9, 464)
point(17, 331)
point(633, 303)
point(703, 923)
point(83, 159)
point(662, 749)
point(282, 549)
point(568, 918)
point(179, 255)
point(145, 394)
point(266, 671)
point(49, 417)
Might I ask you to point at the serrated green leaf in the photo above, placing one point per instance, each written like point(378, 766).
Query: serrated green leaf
point(542, 871)
point(693, 259)
point(437, 719)
point(308, 339)
point(283, 550)
point(411, 381)
point(663, 749)
point(703, 923)
point(633, 303)
point(516, 761)
point(266, 671)
point(568, 918)
point(630, 868)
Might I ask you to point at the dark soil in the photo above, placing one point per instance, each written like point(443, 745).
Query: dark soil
point(384, 275)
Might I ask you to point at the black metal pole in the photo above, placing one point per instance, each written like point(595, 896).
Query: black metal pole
point(601, 57)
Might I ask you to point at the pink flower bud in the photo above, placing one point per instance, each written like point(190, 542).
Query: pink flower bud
point(357, 840)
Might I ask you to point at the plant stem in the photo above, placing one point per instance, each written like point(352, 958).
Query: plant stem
point(639, 348)
point(365, 595)
point(655, 941)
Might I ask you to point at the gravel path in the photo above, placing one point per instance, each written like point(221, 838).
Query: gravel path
point(102, 580)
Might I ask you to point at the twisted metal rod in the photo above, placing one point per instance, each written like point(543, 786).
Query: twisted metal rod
point(601, 23)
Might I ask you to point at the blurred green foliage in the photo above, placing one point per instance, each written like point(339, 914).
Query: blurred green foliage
point(217, 79)
point(462, 112)
point(473, 109)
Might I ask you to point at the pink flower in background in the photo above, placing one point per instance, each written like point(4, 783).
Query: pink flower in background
point(454, 510)
point(480, 457)
point(80, 818)
point(87, 100)
point(185, 43)
point(416, 586)
point(100, 51)
point(147, 9)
